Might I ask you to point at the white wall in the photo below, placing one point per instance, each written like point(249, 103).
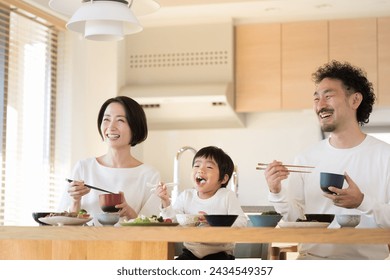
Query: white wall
point(94, 80)
point(267, 136)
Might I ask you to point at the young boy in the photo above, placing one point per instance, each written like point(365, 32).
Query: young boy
point(212, 169)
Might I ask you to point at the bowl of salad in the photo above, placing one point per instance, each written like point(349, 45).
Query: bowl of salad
point(153, 220)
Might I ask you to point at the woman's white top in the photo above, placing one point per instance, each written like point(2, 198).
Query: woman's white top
point(136, 183)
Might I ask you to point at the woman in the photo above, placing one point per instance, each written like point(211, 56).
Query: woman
point(122, 125)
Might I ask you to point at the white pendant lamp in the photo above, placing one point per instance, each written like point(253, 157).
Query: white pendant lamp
point(104, 20)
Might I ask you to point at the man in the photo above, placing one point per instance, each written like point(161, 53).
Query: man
point(343, 101)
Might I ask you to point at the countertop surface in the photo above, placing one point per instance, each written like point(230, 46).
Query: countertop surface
point(198, 234)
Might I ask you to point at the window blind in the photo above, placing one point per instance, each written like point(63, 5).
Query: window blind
point(28, 70)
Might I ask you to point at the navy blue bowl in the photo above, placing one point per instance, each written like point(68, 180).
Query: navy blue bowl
point(221, 220)
point(331, 179)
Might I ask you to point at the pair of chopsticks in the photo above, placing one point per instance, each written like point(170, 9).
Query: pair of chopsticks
point(91, 187)
point(290, 167)
point(154, 187)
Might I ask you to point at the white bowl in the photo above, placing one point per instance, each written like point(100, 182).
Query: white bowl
point(108, 219)
point(348, 220)
point(188, 220)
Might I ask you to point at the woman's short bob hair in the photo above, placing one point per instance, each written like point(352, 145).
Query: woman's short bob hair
point(135, 117)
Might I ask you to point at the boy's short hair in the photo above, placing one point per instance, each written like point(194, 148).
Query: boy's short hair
point(225, 163)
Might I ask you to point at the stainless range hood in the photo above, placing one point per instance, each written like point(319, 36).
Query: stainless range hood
point(187, 106)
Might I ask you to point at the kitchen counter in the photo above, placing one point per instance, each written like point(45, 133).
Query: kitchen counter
point(76, 242)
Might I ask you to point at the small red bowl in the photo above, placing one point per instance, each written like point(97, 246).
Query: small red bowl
point(107, 201)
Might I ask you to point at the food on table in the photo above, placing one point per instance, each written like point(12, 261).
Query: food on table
point(152, 219)
point(188, 220)
point(270, 213)
point(82, 213)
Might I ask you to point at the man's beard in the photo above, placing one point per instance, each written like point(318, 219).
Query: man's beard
point(328, 127)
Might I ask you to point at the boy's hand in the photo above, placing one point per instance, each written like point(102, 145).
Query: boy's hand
point(162, 193)
point(202, 219)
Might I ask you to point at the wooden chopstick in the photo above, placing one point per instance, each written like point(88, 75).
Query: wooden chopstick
point(156, 185)
point(289, 170)
point(287, 165)
point(263, 166)
point(91, 187)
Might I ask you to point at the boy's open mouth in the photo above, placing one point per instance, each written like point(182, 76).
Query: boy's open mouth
point(200, 180)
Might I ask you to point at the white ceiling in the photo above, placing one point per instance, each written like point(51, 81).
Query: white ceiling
point(246, 11)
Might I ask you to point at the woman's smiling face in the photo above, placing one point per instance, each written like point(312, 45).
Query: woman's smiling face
point(114, 126)
point(205, 175)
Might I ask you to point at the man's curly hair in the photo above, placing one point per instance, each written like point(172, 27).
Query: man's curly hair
point(354, 80)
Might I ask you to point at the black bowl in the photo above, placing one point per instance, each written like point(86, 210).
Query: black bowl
point(323, 218)
point(221, 220)
point(37, 215)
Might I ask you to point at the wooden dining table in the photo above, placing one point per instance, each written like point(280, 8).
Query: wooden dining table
point(157, 242)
